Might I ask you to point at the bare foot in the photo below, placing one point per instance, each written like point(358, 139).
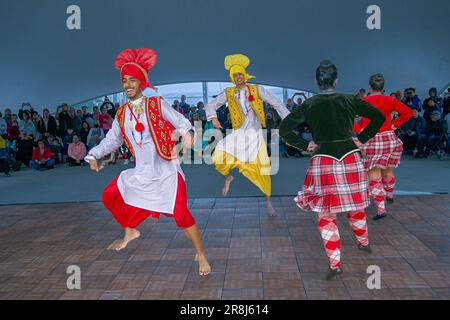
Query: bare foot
point(203, 266)
point(270, 210)
point(130, 234)
point(226, 187)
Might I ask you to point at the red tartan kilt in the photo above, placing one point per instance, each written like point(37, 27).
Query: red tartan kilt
point(333, 186)
point(382, 151)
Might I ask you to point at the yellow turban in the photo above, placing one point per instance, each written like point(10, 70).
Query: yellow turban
point(237, 63)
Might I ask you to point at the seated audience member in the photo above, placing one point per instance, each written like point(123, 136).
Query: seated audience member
point(428, 108)
point(446, 104)
point(433, 96)
point(411, 131)
point(67, 139)
point(4, 163)
point(447, 120)
point(95, 136)
point(76, 152)
point(42, 158)
point(56, 148)
point(24, 148)
point(434, 133)
point(411, 99)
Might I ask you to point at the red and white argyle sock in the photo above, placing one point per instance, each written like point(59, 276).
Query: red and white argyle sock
point(359, 226)
point(389, 186)
point(377, 194)
point(331, 239)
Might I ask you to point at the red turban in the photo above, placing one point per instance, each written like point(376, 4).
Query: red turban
point(137, 63)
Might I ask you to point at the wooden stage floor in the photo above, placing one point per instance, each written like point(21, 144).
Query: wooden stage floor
point(252, 256)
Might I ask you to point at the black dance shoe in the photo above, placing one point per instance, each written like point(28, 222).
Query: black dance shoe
point(390, 200)
point(379, 216)
point(367, 248)
point(333, 273)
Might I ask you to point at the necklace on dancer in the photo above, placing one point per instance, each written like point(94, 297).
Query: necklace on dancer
point(247, 98)
point(139, 127)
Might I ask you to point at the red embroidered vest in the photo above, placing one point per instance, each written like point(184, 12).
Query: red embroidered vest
point(160, 129)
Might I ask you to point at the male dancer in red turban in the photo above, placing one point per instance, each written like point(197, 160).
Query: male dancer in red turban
point(156, 185)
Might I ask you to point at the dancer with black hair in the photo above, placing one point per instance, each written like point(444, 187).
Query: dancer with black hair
point(149, 127)
point(336, 180)
point(383, 152)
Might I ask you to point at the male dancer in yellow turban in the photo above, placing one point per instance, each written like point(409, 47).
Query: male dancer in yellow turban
point(245, 148)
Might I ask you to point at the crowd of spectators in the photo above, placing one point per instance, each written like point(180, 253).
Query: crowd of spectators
point(42, 140)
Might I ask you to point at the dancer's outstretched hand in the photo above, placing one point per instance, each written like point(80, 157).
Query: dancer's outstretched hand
point(188, 140)
point(312, 146)
point(94, 165)
point(216, 123)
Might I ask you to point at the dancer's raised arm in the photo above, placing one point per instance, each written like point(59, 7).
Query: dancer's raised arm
point(269, 98)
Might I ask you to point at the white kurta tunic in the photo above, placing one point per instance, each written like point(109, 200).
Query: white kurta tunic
point(152, 184)
point(244, 143)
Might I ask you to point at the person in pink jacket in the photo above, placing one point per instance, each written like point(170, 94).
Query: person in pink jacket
point(77, 151)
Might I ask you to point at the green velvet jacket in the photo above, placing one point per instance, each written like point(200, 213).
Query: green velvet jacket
point(331, 118)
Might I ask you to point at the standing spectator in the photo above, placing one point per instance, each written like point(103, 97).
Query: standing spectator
point(64, 119)
point(84, 132)
point(76, 120)
point(184, 105)
point(86, 116)
point(411, 99)
point(95, 113)
point(361, 93)
point(110, 108)
point(47, 124)
point(35, 117)
point(42, 157)
point(95, 136)
point(411, 131)
point(105, 120)
point(76, 152)
point(446, 104)
point(176, 106)
point(26, 108)
point(398, 95)
point(290, 105)
point(3, 125)
point(299, 99)
point(434, 132)
point(113, 110)
point(447, 120)
point(201, 113)
point(8, 115)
